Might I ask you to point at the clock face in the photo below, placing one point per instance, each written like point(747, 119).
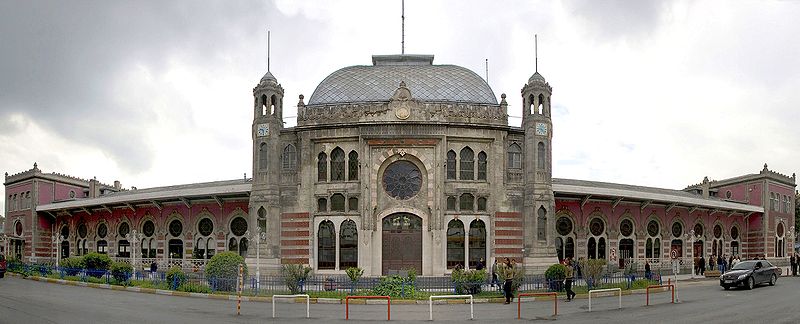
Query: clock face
point(263, 130)
point(541, 129)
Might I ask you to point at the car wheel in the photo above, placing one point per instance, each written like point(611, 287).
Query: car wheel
point(773, 279)
point(751, 283)
point(726, 287)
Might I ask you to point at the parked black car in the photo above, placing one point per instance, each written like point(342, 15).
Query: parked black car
point(748, 274)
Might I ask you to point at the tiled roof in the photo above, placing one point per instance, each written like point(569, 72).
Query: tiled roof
point(426, 82)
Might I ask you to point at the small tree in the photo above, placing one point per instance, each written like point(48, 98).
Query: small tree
point(121, 271)
point(72, 265)
point(592, 270)
point(355, 275)
point(555, 276)
point(468, 281)
point(223, 270)
point(294, 275)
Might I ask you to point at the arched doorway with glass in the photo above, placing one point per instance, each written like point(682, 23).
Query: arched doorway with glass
point(401, 241)
point(698, 249)
point(652, 247)
point(626, 243)
point(735, 241)
point(677, 242)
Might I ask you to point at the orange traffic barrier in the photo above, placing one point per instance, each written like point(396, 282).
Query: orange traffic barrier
point(671, 288)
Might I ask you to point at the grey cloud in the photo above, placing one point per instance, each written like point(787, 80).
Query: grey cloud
point(60, 60)
point(618, 19)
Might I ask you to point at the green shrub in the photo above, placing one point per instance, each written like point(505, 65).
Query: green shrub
point(121, 271)
point(396, 286)
point(557, 271)
point(192, 287)
point(223, 270)
point(72, 265)
point(468, 281)
point(175, 277)
point(354, 274)
point(294, 275)
point(96, 261)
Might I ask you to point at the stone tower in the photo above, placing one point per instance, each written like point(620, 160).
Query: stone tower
point(264, 206)
point(539, 200)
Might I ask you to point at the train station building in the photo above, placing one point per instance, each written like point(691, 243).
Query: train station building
point(393, 165)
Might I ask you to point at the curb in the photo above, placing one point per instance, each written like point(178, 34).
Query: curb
point(318, 300)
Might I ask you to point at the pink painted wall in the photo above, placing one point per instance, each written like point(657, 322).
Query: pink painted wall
point(62, 191)
point(45, 192)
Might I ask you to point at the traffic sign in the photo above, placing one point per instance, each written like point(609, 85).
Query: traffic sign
point(673, 254)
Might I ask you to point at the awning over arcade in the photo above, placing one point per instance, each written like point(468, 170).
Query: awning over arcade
point(615, 193)
point(218, 191)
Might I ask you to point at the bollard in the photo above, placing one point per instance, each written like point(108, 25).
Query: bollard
point(239, 290)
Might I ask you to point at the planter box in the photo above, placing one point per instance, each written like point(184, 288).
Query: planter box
point(712, 273)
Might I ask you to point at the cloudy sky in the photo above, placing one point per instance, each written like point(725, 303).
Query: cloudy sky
point(152, 93)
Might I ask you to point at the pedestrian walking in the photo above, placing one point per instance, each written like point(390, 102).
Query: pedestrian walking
point(647, 273)
point(702, 265)
point(793, 262)
point(568, 281)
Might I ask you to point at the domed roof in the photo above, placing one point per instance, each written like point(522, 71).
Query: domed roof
point(536, 77)
point(427, 82)
point(268, 77)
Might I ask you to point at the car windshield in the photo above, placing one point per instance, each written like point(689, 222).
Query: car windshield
point(744, 266)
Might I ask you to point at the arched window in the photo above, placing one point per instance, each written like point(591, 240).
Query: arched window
point(481, 166)
point(148, 243)
point(264, 104)
point(326, 246)
point(771, 201)
point(514, 156)
point(451, 165)
point(322, 167)
point(451, 203)
point(352, 166)
point(467, 202)
point(597, 242)
point(273, 102)
point(337, 165)
point(541, 221)
point(455, 244)
point(735, 240)
point(124, 249)
point(337, 202)
point(348, 245)
point(532, 104)
point(541, 156)
point(565, 243)
point(322, 204)
point(262, 222)
point(467, 164)
point(262, 156)
point(653, 234)
point(540, 106)
point(289, 158)
point(482, 204)
point(238, 230)
point(205, 247)
point(477, 242)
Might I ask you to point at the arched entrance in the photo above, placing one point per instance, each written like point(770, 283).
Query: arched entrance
point(402, 243)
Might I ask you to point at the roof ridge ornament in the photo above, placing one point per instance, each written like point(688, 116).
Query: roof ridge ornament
point(402, 102)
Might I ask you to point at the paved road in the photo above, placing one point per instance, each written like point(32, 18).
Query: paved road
point(26, 301)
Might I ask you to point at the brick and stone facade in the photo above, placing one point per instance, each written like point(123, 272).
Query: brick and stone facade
point(402, 164)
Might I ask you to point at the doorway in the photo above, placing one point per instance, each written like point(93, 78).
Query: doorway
point(402, 243)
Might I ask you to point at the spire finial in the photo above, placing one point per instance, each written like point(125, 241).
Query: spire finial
point(402, 26)
point(536, 52)
point(268, 32)
point(487, 70)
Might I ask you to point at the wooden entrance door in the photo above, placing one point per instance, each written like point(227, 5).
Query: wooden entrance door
point(402, 243)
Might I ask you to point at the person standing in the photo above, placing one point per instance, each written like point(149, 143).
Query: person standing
point(494, 274)
point(480, 265)
point(793, 262)
point(153, 270)
point(568, 281)
point(702, 265)
point(647, 274)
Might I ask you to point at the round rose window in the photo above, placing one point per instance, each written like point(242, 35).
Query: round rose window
point(596, 227)
point(734, 233)
point(677, 229)
point(652, 228)
point(564, 226)
point(626, 227)
point(402, 180)
point(717, 231)
point(18, 229)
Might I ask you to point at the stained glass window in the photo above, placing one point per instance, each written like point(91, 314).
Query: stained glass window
point(175, 228)
point(402, 179)
point(206, 226)
point(467, 164)
point(238, 226)
point(337, 165)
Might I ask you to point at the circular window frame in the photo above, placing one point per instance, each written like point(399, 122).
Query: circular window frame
point(204, 223)
point(236, 227)
point(18, 228)
point(177, 228)
point(678, 229)
point(626, 228)
point(734, 233)
point(102, 230)
point(82, 230)
point(653, 228)
point(569, 227)
point(717, 231)
point(411, 184)
point(728, 194)
point(123, 229)
point(152, 228)
point(596, 223)
point(780, 231)
point(695, 229)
